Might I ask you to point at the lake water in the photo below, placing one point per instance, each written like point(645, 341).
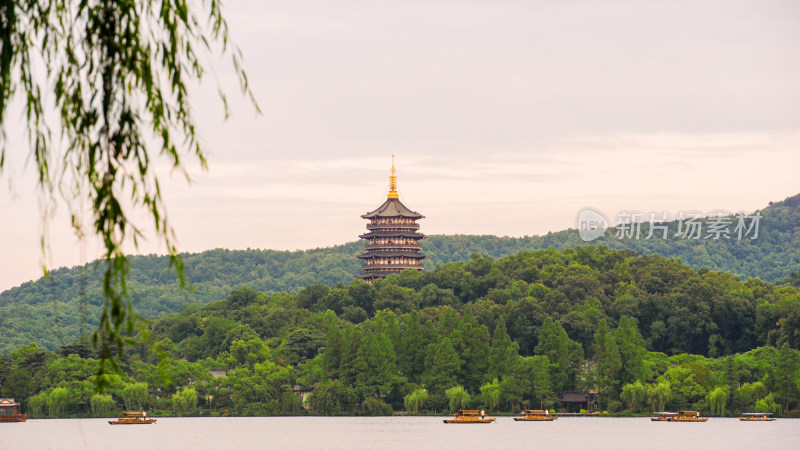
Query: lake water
point(398, 433)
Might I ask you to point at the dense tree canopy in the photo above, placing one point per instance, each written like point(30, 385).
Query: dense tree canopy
point(454, 354)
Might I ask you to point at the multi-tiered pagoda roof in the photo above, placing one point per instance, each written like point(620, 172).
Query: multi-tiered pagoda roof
point(392, 238)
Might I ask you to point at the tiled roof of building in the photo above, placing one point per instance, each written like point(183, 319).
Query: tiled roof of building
point(389, 234)
point(392, 207)
point(572, 396)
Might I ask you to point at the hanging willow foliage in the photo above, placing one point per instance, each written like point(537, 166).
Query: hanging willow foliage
point(119, 71)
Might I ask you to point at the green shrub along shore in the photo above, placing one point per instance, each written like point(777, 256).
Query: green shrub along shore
point(644, 332)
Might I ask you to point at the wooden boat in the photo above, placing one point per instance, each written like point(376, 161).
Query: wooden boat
point(535, 415)
point(132, 418)
point(687, 416)
point(662, 416)
point(755, 417)
point(469, 416)
point(9, 411)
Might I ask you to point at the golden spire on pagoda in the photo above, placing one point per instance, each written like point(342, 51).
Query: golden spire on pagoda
point(393, 183)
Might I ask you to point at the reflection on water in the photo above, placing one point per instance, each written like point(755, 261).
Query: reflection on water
point(399, 433)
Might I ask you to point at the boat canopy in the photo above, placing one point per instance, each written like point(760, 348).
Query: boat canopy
point(755, 414)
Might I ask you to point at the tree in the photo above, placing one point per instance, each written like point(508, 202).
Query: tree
point(19, 384)
point(414, 401)
point(374, 362)
point(490, 394)
point(373, 406)
point(748, 393)
point(685, 383)
point(411, 349)
point(523, 319)
point(364, 296)
point(473, 348)
point(337, 346)
point(395, 298)
point(633, 394)
point(631, 351)
point(768, 405)
point(301, 345)
point(441, 366)
point(57, 402)
point(787, 376)
point(311, 295)
point(102, 404)
point(565, 355)
point(333, 398)
point(185, 401)
point(581, 323)
point(135, 396)
point(513, 390)
point(609, 361)
point(37, 405)
point(242, 297)
point(458, 397)
point(248, 352)
point(432, 296)
point(503, 353)
point(658, 395)
point(534, 370)
point(717, 399)
point(121, 72)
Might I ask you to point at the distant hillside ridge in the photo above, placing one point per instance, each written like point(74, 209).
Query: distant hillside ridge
point(48, 310)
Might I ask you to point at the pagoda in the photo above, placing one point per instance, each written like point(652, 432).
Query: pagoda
point(392, 241)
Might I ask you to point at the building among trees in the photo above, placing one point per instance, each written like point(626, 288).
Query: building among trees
point(574, 401)
point(392, 238)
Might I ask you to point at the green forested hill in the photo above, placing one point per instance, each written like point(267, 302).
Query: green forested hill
point(645, 332)
point(49, 311)
point(773, 256)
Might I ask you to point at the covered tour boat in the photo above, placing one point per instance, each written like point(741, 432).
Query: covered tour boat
point(756, 417)
point(132, 418)
point(535, 415)
point(9, 411)
point(469, 416)
point(662, 416)
point(687, 416)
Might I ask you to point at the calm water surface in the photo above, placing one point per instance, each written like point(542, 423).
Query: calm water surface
point(398, 433)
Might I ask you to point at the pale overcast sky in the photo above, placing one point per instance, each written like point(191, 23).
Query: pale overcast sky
point(507, 118)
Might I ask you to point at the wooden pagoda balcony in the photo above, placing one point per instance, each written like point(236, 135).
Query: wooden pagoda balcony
point(386, 267)
point(393, 246)
point(392, 226)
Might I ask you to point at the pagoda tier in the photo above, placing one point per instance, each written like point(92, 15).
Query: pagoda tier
point(392, 240)
point(394, 254)
point(390, 234)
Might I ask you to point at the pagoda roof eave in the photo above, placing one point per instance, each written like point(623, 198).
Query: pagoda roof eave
point(393, 207)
